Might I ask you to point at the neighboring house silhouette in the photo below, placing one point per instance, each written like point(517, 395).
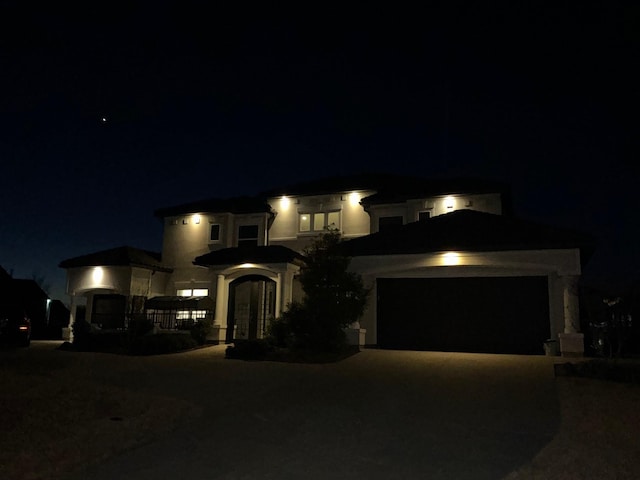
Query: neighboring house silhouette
point(449, 266)
point(48, 317)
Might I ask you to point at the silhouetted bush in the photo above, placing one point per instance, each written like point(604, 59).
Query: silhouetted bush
point(200, 331)
point(139, 326)
point(81, 334)
point(600, 369)
point(334, 299)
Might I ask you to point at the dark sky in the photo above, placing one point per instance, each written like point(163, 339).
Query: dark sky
point(215, 102)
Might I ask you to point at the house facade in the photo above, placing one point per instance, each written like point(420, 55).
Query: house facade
point(235, 263)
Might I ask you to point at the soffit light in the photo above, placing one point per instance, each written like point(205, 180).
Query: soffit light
point(97, 275)
point(449, 202)
point(450, 258)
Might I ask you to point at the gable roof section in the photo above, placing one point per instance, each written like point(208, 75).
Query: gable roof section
point(389, 187)
point(217, 205)
point(119, 256)
point(413, 188)
point(240, 255)
point(468, 230)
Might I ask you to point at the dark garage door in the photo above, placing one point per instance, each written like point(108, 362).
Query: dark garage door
point(488, 314)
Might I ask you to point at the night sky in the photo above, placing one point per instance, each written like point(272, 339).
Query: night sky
point(215, 102)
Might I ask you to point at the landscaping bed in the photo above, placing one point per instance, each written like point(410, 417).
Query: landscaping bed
point(618, 370)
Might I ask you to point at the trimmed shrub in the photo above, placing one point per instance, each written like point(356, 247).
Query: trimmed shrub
point(81, 334)
point(200, 331)
point(139, 326)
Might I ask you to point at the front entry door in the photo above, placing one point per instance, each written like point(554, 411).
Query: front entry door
point(251, 307)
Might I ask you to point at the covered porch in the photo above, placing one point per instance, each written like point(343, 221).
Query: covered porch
point(254, 285)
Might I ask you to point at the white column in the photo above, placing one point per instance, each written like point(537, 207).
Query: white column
point(278, 295)
point(571, 304)
point(220, 301)
point(73, 307)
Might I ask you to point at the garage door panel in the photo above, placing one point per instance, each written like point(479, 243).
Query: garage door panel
point(489, 314)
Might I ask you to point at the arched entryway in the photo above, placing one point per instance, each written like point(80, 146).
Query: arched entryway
point(252, 305)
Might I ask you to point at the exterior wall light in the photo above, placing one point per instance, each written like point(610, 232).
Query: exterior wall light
point(450, 259)
point(449, 202)
point(284, 203)
point(196, 219)
point(97, 275)
point(354, 199)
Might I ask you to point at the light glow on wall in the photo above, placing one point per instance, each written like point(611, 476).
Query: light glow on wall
point(285, 203)
point(449, 202)
point(97, 275)
point(196, 219)
point(248, 265)
point(354, 199)
point(450, 259)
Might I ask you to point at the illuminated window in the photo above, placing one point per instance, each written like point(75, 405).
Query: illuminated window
point(305, 222)
point(317, 222)
point(190, 314)
point(389, 223)
point(333, 220)
point(200, 292)
point(248, 235)
point(214, 234)
point(195, 292)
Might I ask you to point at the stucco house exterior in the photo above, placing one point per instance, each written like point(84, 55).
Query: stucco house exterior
point(450, 267)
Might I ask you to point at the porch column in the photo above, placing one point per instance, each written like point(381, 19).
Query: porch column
point(571, 341)
point(67, 333)
point(278, 295)
point(220, 301)
point(570, 303)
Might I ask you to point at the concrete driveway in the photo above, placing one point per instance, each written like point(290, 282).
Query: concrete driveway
point(379, 414)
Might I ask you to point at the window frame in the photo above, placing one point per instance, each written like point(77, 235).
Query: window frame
point(248, 241)
point(219, 237)
point(312, 221)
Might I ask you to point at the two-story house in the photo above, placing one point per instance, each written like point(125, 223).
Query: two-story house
point(450, 268)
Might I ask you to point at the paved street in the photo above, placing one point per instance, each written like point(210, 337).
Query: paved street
point(379, 414)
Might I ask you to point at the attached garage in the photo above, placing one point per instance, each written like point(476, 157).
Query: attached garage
point(470, 281)
point(468, 314)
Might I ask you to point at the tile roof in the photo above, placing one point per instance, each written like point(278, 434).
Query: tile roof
point(218, 205)
point(240, 255)
point(119, 256)
point(390, 186)
point(467, 230)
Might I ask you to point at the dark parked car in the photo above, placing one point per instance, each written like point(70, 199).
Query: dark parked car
point(15, 328)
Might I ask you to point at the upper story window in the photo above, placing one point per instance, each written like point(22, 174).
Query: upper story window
point(424, 215)
point(193, 292)
point(248, 235)
point(317, 222)
point(389, 223)
point(214, 232)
